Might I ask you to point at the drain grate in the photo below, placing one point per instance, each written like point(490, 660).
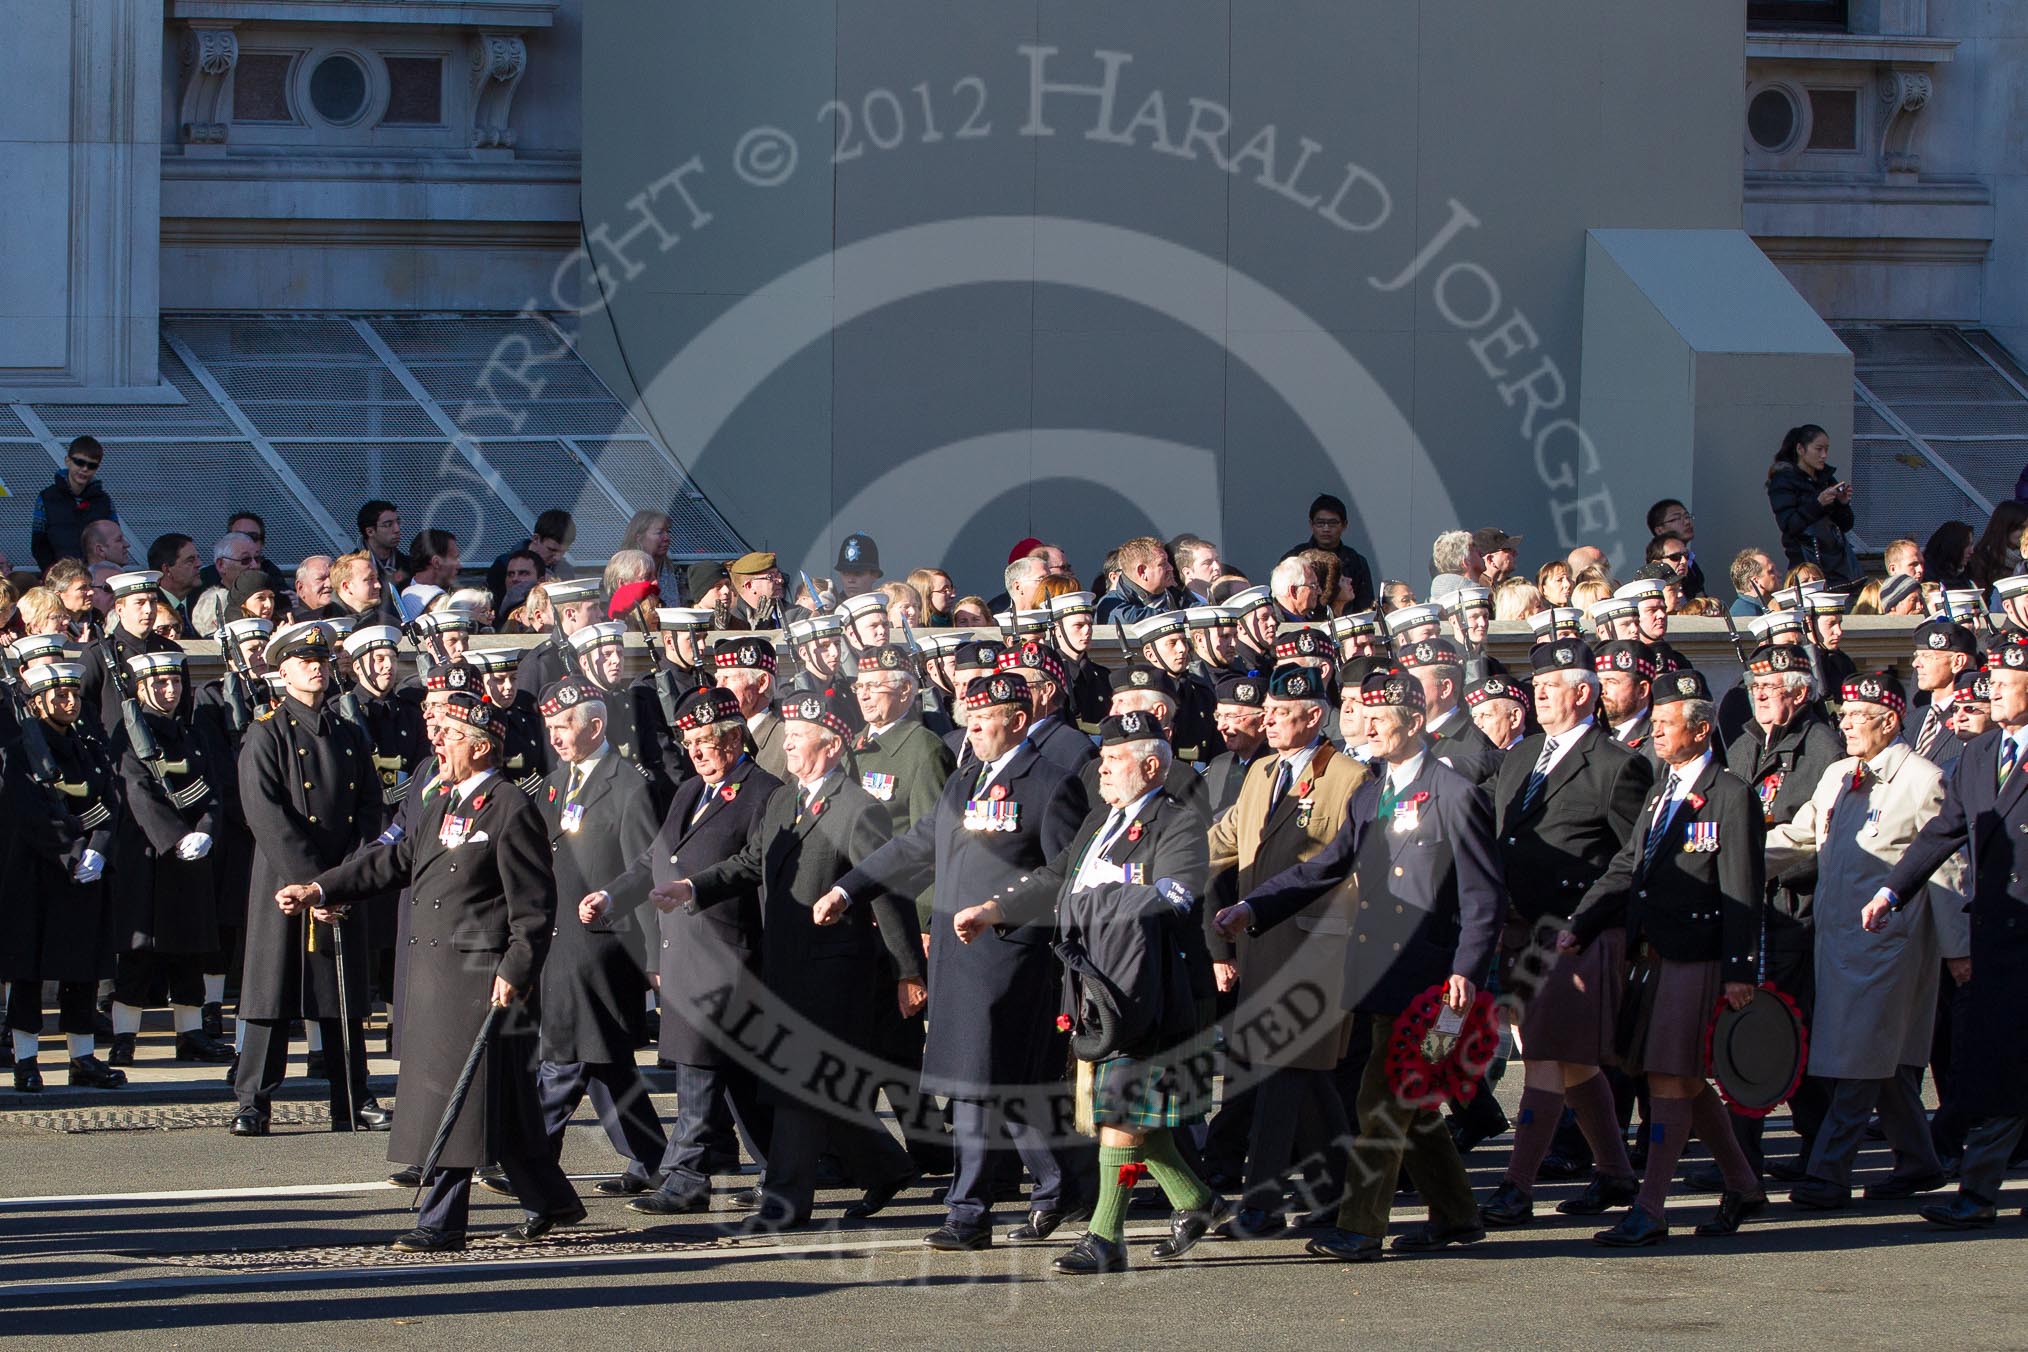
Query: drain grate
point(578, 1243)
point(166, 1117)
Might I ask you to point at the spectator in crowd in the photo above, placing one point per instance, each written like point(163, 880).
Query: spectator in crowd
point(521, 572)
point(1998, 553)
point(105, 542)
point(1587, 556)
point(1490, 560)
point(313, 586)
point(1298, 599)
point(252, 595)
point(555, 532)
point(1671, 517)
point(434, 558)
point(1798, 575)
point(969, 612)
point(1812, 506)
point(1327, 531)
point(1145, 578)
point(1395, 594)
point(355, 588)
point(1197, 565)
point(710, 587)
point(231, 556)
point(937, 592)
point(1673, 552)
point(1590, 589)
point(648, 532)
point(11, 626)
point(72, 583)
point(1903, 556)
point(1947, 557)
point(1516, 598)
point(41, 611)
point(625, 566)
point(379, 525)
point(1023, 579)
point(66, 507)
point(1447, 555)
point(1554, 581)
point(1754, 581)
point(253, 528)
point(102, 588)
point(175, 557)
point(904, 606)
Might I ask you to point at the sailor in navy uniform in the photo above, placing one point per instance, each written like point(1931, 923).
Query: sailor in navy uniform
point(1162, 641)
point(632, 728)
point(1255, 608)
point(575, 603)
point(1070, 632)
point(524, 754)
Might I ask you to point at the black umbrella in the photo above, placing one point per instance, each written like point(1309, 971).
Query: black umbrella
point(456, 1103)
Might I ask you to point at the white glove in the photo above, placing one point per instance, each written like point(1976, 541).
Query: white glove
point(89, 868)
point(193, 846)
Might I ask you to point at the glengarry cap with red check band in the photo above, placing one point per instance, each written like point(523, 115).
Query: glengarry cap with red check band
point(1495, 686)
point(565, 694)
point(475, 713)
point(1037, 657)
point(988, 692)
point(1392, 688)
point(824, 711)
point(703, 707)
point(743, 654)
point(1876, 687)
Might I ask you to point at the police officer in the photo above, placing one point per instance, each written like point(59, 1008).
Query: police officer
point(163, 884)
point(312, 800)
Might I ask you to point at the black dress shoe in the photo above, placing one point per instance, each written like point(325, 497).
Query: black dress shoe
point(409, 1176)
point(424, 1240)
point(1251, 1222)
point(250, 1122)
point(944, 1239)
point(626, 1185)
point(1604, 1193)
point(232, 1070)
point(1430, 1237)
point(27, 1077)
point(88, 1072)
point(1733, 1208)
point(1507, 1206)
point(671, 1203)
point(6, 1053)
point(200, 1046)
point(1962, 1212)
point(1187, 1227)
point(533, 1228)
point(372, 1117)
point(1895, 1189)
point(876, 1199)
point(1091, 1256)
point(1469, 1134)
point(1786, 1171)
point(1039, 1226)
point(1556, 1168)
point(211, 1021)
point(1636, 1229)
point(1344, 1245)
point(747, 1199)
point(122, 1053)
point(1817, 1194)
point(493, 1179)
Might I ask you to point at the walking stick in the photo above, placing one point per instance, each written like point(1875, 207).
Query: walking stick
point(344, 1028)
point(456, 1103)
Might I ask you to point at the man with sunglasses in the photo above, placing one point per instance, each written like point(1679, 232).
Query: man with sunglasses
point(1673, 529)
point(66, 507)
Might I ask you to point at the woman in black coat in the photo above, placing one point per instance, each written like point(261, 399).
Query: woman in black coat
point(1811, 505)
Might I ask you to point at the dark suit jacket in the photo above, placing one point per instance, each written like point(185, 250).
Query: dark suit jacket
point(595, 984)
point(714, 946)
point(992, 1001)
point(832, 975)
point(1579, 821)
point(1431, 899)
point(1465, 749)
point(1991, 820)
point(479, 909)
point(1798, 754)
point(1689, 905)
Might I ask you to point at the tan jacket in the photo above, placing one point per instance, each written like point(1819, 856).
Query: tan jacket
point(1291, 978)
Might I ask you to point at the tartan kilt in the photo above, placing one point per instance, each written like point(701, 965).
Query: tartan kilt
point(1124, 1091)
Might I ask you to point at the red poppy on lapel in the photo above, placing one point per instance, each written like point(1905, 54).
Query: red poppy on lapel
point(817, 808)
point(1133, 833)
point(1419, 799)
point(478, 802)
point(1696, 801)
point(1303, 789)
point(552, 793)
point(728, 791)
point(997, 792)
point(1859, 777)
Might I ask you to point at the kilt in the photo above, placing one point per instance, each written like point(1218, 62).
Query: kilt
point(1572, 1015)
point(1135, 1095)
point(1666, 1015)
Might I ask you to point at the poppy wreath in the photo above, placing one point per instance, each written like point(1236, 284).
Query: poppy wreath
point(1802, 1060)
point(1421, 1082)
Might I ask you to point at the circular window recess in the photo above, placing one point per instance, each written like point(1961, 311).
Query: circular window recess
point(1771, 119)
point(338, 89)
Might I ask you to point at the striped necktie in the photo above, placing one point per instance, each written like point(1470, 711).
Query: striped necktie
point(2010, 753)
point(1664, 811)
point(1539, 776)
point(1932, 724)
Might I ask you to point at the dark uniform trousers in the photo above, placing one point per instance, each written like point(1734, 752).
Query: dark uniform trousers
point(1391, 1135)
point(1989, 1144)
point(620, 1099)
point(447, 1193)
point(76, 1003)
point(264, 1058)
point(1842, 1128)
point(711, 1102)
point(977, 1128)
point(1292, 1106)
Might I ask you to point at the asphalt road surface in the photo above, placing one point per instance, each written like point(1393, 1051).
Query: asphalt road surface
point(186, 1238)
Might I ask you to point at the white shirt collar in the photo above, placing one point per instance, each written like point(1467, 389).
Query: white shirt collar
point(1686, 775)
point(883, 729)
point(589, 763)
point(810, 788)
point(1401, 776)
point(1299, 760)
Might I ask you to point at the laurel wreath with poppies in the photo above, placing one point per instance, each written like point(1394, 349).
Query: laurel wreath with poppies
point(1424, 1074)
